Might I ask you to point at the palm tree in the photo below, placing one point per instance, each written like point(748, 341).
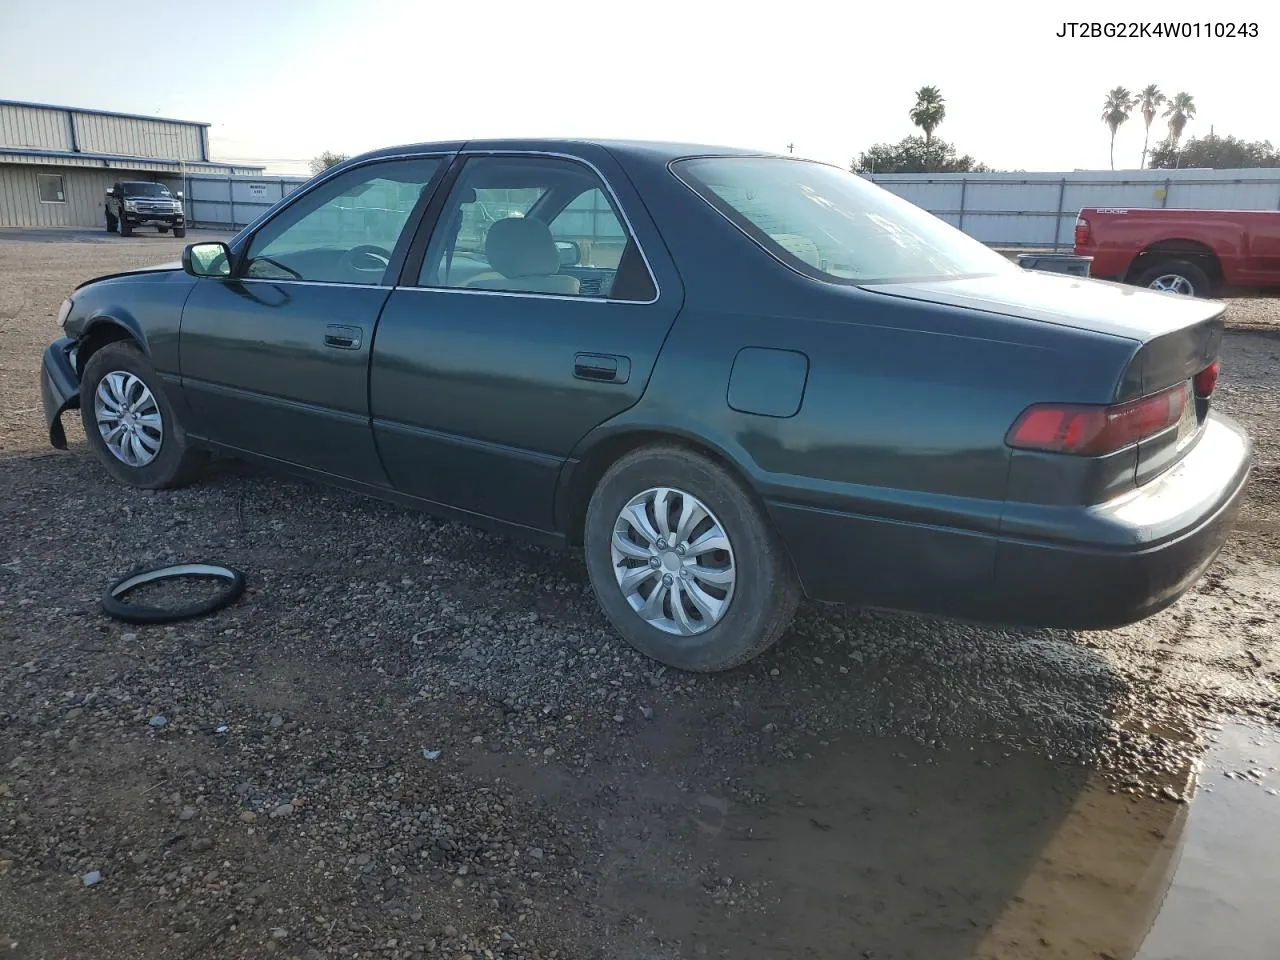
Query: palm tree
point(1115, 112)
point(1149, 99)
point(1179, 110)
point(929, 110)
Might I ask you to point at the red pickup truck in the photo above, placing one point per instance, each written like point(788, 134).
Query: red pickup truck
point(1196, 252)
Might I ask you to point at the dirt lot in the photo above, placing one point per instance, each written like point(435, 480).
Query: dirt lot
point(875, 786)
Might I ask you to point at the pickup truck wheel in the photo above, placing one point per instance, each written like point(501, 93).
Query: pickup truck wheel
point(1176, 276)
point(684, 562)
point(179, 232)
point(132, 427)
point(126, 228)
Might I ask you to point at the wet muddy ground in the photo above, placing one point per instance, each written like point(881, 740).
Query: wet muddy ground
point(1222, 897)
point(414, 739)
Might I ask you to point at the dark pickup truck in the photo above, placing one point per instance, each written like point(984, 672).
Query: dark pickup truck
point(1195, 252)
point(139, 203)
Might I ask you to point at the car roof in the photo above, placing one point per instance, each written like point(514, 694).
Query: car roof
point(648, 150)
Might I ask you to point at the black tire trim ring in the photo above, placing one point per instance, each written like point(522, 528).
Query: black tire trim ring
point(113, 606)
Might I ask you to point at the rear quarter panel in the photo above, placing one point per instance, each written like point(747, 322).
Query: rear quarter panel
point(1264, 249)
point(1118, 237)
point(888, 484)
point(905, 407)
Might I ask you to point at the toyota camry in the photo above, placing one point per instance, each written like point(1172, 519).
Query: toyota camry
point(733, 379)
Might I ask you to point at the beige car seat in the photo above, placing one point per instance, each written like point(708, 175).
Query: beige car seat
point(524, 256)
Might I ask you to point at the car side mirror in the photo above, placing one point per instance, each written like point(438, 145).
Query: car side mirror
point(208, 259)
point(570, 253)
point(110, 194)
point(179, 194)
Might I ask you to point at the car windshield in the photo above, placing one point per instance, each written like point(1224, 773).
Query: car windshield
point(835, 225)
point(145, 190)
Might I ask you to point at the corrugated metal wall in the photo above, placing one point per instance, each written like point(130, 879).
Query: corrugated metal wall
point(210, 200)
point(113, 148)
point(51, 128)
point(1039, 209)
point(137, 138)
point(85, 192)
point(229, 203)
point(34, 128)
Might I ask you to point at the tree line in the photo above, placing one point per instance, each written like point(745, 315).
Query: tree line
point(926, 153)
point(1209, 151)
point(1119, 103)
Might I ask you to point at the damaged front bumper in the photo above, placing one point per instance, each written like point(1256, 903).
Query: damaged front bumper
point(59, 387)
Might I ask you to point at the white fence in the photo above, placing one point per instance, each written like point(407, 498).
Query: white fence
point(1038, 210)
point(1034, 210)
point(230, 202)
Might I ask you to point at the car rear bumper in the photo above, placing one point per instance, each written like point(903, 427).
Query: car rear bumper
point(1072, 567)
point(59, 387)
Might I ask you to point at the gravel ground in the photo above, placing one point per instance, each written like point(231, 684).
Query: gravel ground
point(1253, 313)
point(413, 738)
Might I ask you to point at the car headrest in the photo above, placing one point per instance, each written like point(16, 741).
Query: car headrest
point(521, 247)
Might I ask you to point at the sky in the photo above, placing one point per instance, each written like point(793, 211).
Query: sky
point(282, 80)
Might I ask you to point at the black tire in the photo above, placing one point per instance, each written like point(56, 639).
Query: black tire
point(114, 606)
point(126, 228)
point(176, 463)
point(161, 228)
point(179, 232)
point(1188, 272)
point(765, 592)
point(112, 224)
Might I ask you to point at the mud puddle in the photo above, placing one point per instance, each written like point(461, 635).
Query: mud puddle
point(879, 848)
point(1222, 900)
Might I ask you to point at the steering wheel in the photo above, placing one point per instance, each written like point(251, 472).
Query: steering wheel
point(377, 257)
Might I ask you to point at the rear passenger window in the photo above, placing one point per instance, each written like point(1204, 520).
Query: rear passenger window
point(590, 222)
point(536, 225)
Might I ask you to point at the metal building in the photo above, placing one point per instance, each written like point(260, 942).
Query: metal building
point(57, 163)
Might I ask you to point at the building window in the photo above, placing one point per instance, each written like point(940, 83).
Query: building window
point(51, 188)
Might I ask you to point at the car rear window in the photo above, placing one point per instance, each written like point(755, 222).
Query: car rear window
point(835, 225)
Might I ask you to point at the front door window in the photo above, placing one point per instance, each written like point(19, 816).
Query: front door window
point(344, 231)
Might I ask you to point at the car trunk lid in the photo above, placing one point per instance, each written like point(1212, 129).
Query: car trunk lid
point(1086, 304)
point(1176, 337)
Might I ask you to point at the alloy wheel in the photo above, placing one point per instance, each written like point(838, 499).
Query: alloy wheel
point(1173, 283)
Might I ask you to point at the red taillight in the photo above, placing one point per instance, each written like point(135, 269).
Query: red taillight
point(1090, 431)
point(1082, 231)
point(1207, 379)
